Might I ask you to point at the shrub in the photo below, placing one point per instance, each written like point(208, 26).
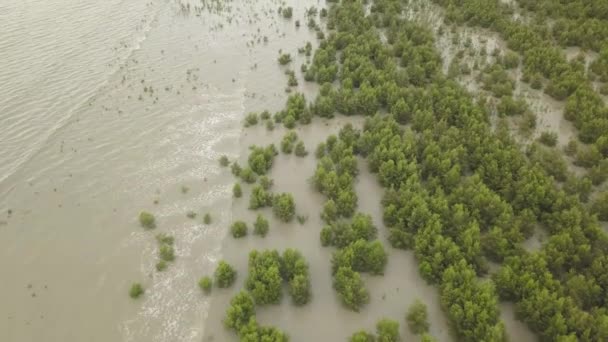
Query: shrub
point(264, 281)
point(236, 169)
point(147, 220)
point(284, 59)
point(265, 115)
point(284, 207)
point(207, 218)
point(388, 331)
point(260, 226)
point(287, 12)
point(301, 219)
point(510, 60)
point(224, 274)
point(238, 229)
point(205, 284)
point(265, 182)
point(260, 198)
point(417, 318)
point(166, 252)
point(251, 119)
point(224, 161)
point(362, 336)
point(548, 138)
point(248, 176)
point(510, 106)
point(240, 311)
point(288, 141)
point(260, 159)
point(270, 125)
point(161, 265)
point(136, 290)
point(164, 239)
point(301, 149)
point(237, 192)
point(350, 288)
point(294, 270)
point(191, 214)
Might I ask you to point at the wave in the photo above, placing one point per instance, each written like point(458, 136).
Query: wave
point(139, 36)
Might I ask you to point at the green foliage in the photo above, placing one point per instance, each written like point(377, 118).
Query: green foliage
point(362, 336)
point(251, 119)
point(284, 207)
point(600, 206)
point(294, 270)
point(136, 290)
point(417, 318)
point(224, 274)
point(260, 226)
point(265, 182)
point(237, 192)
point(165, 250)
point(287, 12)
point(161, 265)
point(284, 59)
point(224, 162)
point(361, 256)
point(510, 60)
point(496, 80)
point(260, 159)
point(427, 338)
point(205, 284)
point(510, 107)
point(264, 281)
point(300, 150)
point(388, 331)
point(342, 234)
point(240, 311)
point(147, 220)
point(248, 176)
point(260, 198)
point(207, 218)
point(350, 288)
point(330, 211)
point(287, 144)
point(236, 169)
point(253, 332)
point(548, 138)
point(238, 229)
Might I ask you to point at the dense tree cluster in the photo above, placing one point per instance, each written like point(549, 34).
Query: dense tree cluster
point(579, 22)
point(335, 174)
point(267, 272)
